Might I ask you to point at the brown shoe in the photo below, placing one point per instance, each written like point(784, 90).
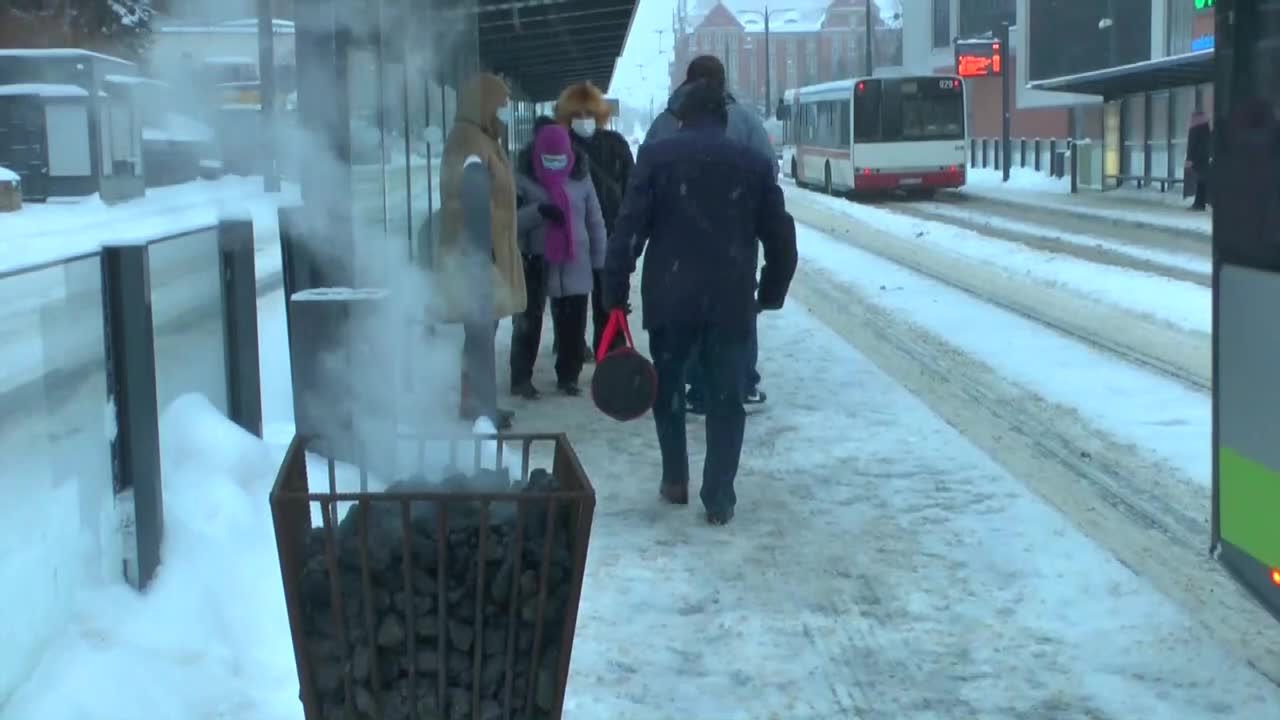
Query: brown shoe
point(675, 494)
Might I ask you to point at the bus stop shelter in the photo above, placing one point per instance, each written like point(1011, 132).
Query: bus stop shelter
point(377, 88)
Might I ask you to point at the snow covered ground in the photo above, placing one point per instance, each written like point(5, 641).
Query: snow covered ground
point(46, 232)
point(1136, 405)
point(1180, 303)
point(1124, 205)
point(881, 566)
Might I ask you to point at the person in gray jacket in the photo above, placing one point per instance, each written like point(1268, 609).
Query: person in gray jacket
point(747, 128)
point(562, 237)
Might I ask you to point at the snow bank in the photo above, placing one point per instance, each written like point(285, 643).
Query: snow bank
point(44, 90)
point(1024, 179)
point(7, 175)
point(210, 638)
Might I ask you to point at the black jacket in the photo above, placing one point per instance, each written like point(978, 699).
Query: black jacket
point(702, 202)
point(1199, 147)
point(611, 165)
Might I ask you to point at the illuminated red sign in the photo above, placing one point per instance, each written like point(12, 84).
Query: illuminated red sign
point(979, 58)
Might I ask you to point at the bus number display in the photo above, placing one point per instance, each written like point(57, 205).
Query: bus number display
point(979, 59)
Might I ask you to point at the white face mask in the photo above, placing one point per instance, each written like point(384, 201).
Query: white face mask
point(504, 114)
point(584, 127)
point(555, 162)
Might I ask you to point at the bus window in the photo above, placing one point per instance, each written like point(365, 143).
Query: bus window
point(866, 111)
point(935, 111)
point(844, 124)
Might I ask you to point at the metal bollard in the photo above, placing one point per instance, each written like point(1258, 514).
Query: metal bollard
point(1022, 150)
point(1037, 144)
point(1053, 158)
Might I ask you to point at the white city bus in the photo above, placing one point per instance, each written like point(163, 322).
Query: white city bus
point(875, 135)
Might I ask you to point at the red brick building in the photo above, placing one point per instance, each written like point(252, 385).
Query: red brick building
point(810, 41)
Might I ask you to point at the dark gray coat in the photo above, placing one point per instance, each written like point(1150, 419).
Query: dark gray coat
point(589, 234)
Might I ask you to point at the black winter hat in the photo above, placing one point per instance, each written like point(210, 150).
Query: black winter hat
point(703, 101)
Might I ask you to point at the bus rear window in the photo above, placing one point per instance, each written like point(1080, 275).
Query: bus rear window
point(934, 111)
point(866, 111)
point(910, 109)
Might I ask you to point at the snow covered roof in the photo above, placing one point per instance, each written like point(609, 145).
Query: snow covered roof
point(131, 80)
point(8, 176)
point(43, 90)
point(800, 16)
point(57, 53)
point(233, 27)
point(230, 60)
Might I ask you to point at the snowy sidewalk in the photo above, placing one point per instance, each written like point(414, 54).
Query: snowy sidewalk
point(1150, 209)
point(879, 567)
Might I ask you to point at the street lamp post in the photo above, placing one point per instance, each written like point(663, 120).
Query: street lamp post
point(867, 22)
point(767, 14)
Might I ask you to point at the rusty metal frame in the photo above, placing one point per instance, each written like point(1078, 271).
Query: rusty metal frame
point(292, 500)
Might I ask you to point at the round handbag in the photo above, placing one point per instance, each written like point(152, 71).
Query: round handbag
point(625, 384)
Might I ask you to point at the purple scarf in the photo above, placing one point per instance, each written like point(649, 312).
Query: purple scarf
point(552, 163)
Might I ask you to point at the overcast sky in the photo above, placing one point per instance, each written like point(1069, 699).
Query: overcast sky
point(641, 72)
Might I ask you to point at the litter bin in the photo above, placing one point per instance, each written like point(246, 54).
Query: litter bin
point(436, 598)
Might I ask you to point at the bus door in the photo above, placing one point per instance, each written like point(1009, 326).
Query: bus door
point(1245, 191)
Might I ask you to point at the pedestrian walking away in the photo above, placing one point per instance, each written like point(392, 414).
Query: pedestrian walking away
point(699, 209)
point(583, 109)
point(467, 257)
point(1195, 180)
point(745, 127)
point(562, 238)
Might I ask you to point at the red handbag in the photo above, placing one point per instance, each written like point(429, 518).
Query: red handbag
point(625, 384)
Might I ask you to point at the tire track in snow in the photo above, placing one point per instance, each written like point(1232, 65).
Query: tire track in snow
point(1045, 240)
point(1145, 341)
point(1133, 505)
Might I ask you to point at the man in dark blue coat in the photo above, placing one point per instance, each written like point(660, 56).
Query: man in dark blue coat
point(702, 200)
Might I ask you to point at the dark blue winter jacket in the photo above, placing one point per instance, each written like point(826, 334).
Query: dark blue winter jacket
point(701, 202)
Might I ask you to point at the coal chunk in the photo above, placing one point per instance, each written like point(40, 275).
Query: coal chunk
point(420, 618)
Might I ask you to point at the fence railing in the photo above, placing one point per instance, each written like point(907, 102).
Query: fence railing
point(97, 344)
point(1047, 155)
point(1150, 164)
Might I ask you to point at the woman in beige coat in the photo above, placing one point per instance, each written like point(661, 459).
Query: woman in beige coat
point(477, 136)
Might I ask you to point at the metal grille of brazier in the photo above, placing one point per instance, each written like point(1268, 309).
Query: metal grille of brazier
point(441, 600)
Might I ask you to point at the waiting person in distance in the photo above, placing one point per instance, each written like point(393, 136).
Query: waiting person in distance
point(701, 202)
point(1199, 157)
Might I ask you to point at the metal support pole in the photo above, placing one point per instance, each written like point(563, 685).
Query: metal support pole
point(131, 382)
point(1006, 82)
point(240, 323)
point(870, 60)
point(267, 95)
point(768, 67)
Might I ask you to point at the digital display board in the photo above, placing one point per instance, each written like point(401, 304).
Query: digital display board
point(979, 58)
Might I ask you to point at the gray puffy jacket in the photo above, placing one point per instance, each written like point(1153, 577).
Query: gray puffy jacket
point(744, 126)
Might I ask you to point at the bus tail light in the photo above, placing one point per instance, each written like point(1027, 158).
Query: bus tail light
point(1275, 577)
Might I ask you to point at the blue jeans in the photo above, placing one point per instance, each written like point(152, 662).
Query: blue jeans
point(721, 357)
point(751, 381)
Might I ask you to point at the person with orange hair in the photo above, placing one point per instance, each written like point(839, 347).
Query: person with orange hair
point(583, 108)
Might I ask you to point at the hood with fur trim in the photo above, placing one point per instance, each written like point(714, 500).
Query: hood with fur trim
point(583, 97)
